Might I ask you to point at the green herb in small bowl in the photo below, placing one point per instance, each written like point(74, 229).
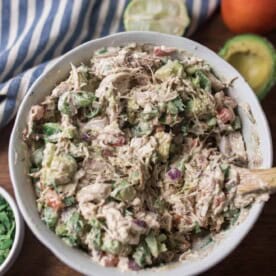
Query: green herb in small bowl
point(7, 229)
point(11, 231)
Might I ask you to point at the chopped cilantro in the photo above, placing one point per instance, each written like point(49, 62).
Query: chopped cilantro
point(7, 229)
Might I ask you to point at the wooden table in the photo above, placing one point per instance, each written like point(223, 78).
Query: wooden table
point(254, 256)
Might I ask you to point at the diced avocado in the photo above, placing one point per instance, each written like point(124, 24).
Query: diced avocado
point(201, 80)
point(134, 177)
point(160, 205)
point(201, 107)
point(212, 122)
point(142, 255)
point(51, 128)
point(51, 131)
point(197, 228)
point(71, 229)
point(255, 58)
point(152, 244)
point(149, 115)
point(69, 201)
point(155, 244)
point(225, 168)
point(124, 192)
point(50, 217)
point(237, 123)
point(143, 128)
point(175, 106)
point(132, 108)
point(37, 157)
point(48, 154)
point(75, 223)
point(61, 230)
point(164, 144)
point(69, 132)
point(83, 99)
point(111, 246)
point(95, 234)
point(132, 105)
point(71, 241)
point(170, 69)
point(59, 170)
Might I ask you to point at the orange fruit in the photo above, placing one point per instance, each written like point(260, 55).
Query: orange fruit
point(243, 16)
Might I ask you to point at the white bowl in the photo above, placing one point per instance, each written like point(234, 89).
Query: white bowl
point(43, 86)
point(19, 233)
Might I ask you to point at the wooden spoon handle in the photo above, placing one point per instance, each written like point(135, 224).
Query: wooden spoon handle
point(268, 176)
point(260, 180)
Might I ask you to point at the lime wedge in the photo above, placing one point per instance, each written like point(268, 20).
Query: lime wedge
point(164, 16)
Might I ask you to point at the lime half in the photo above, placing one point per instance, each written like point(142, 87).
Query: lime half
point(165, 16)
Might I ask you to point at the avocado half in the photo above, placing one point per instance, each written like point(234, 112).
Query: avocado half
point(255, 58)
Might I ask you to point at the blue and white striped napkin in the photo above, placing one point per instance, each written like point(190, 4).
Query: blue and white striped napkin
point(34, 32)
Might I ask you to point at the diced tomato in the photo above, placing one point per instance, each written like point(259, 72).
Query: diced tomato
point(53, 199)
point(114, 140)
point(195, 142)
point(37, 112)
point(186, 245)
point(119, 141)
point(160, 128)
point(107, 153)
point(176, 219)
point(225, 115)
point(218, 200)
point(188, 220)
point(110, 260)
point(162, 52)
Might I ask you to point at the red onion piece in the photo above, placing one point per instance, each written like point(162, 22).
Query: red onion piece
point(86, 137)
point(133, 265)
point(163, 51)
point(140, 223)
point(174, 174)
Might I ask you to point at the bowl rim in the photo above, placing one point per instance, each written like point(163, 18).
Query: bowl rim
point(19, 233)
point(206, 262)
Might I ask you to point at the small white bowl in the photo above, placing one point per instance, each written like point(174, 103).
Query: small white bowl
point(18, 154)
point(19, 233)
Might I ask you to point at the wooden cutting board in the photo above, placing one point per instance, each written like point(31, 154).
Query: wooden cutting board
point(255, 254)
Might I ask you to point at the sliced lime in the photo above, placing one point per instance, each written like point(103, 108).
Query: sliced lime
point(165, 16)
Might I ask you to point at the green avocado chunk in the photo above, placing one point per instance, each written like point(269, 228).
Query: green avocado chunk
point(255, 58)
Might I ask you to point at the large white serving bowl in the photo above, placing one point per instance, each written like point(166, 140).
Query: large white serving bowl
point(18, 157)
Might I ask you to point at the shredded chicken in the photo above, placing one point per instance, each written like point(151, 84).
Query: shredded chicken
point(134, 157)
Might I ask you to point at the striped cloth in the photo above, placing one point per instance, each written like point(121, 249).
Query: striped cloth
point(34, 32)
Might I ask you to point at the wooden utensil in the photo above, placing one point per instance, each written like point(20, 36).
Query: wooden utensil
point(257, 181)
